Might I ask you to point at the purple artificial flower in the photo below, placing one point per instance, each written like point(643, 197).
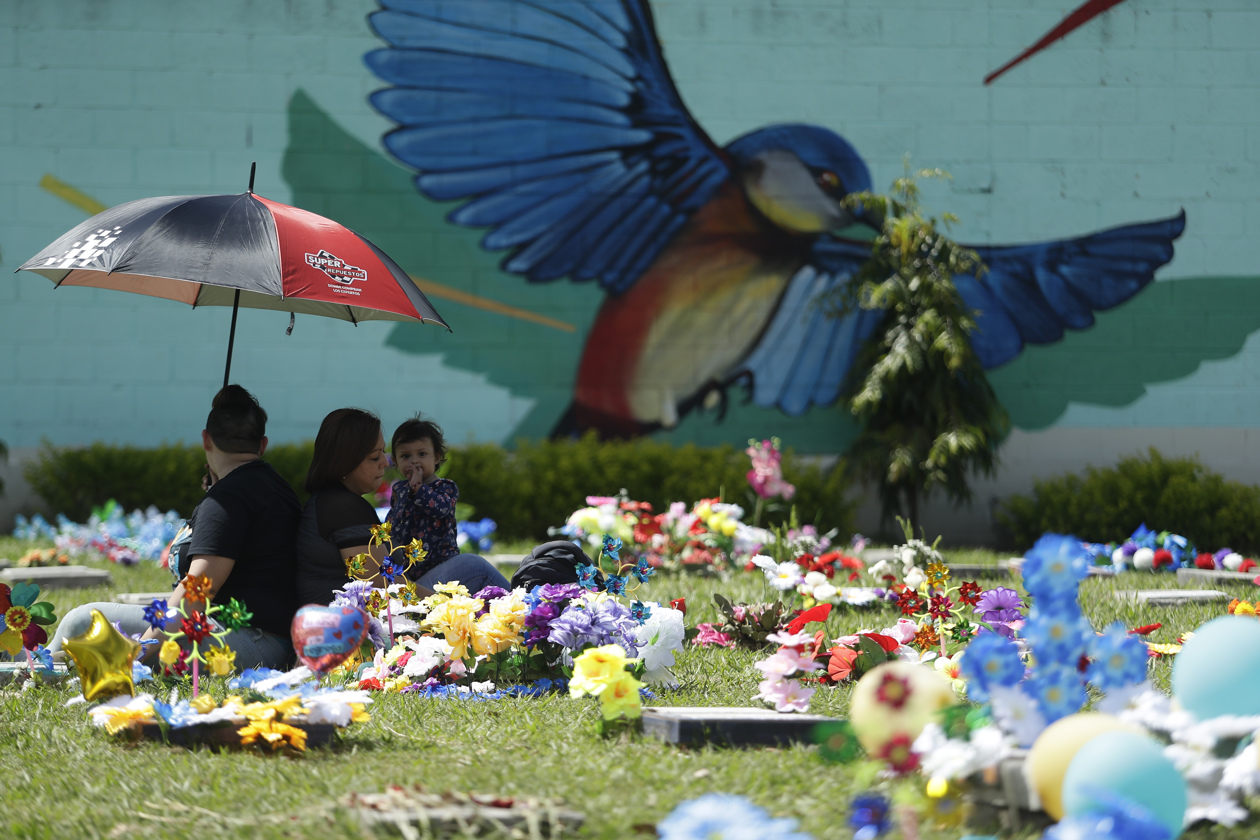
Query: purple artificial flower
point(557, 592)
point(489, 593)
point(999, 604)
point(353, 594)
point(572, 629)
point(1219, 557)
point(1129, 548)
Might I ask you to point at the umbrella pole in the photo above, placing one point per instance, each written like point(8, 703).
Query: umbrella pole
point(227, 369)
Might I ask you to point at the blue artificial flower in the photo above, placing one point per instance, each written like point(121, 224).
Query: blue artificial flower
point(615, 585)
point(612, 547)
point(723, 815)
point(1110, 817)
point(155, 614)
point(253, 675)
point(1057, 633)
point(643, 570)
point(139, 671)
point(586, 577)
point(1058, 690)
point(640, 611)
point(1116, 658)
point(1144, 537)
point(1055, 566)
point(991, 660)
point(869, 815)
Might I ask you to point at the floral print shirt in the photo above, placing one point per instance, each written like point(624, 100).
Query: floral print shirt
point(426, 514)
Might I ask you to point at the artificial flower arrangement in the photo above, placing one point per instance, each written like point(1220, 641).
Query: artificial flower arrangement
point(43, 557)
point(1146, 766)
point(742, 625)
point(1147, 550)
point(783, 672)
point(120, 538)
point(23, 618)
point(607, 674)
point(461, 639)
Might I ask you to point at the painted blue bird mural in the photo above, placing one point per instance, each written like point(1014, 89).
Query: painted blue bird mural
point(557, 124)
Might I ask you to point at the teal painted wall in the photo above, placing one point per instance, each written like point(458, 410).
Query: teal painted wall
point(1150, 108)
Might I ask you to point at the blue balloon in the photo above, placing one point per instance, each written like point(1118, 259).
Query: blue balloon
point(1217, 671)
point(1130, 766)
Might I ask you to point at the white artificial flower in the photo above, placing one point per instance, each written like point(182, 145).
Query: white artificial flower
point(908, 556)
point(427, 653)
point(857, 596)
point(659, 638)
point(914, 577)
point(878, 570)
point(766, 564)
point(786, 576)
point(813, 579)
point(824, 592)
point(1017, 713)
point(1144, 559)
point(1232, 561)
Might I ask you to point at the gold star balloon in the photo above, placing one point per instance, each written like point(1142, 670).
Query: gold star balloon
point(103, 657)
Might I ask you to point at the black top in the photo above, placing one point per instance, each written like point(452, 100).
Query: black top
point(250, 516)
point(334, 519)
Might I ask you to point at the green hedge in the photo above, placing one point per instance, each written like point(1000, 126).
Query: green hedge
point(525, 490)
point(1168, 494)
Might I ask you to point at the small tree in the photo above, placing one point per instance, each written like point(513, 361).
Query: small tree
point(928, 416)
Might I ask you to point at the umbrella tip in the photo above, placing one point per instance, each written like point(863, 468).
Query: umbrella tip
point(252, 167)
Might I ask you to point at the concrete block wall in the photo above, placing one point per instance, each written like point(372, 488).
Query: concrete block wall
point(1150, 108)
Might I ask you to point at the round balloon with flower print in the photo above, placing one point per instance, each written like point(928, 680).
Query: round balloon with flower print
point(890, 706)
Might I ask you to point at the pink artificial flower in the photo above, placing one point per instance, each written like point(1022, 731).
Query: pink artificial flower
point(596, 501)
point(903, 631)
point(709, 635)
point(766, 475)
point(786, 695)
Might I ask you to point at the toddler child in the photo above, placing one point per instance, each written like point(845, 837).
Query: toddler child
point(422, 505)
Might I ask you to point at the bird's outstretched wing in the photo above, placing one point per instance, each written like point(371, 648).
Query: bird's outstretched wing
point(1031, 293)
point(805, 354)
point(557, 118)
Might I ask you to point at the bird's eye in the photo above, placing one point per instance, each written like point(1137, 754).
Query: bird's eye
point(828, 181)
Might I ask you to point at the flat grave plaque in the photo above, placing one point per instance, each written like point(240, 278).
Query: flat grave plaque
point(57, 577)
point(10, 671)
point(140, 599)
point(734, 726)
point(1169, 597)
point(1201, 576)
point(4, 563)
point(871, 556)
point(979, 570)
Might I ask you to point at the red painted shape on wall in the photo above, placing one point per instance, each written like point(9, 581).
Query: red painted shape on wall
point(1083, 15)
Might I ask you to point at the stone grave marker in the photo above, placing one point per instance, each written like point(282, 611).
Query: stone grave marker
point(57, 577)
point(730, 725)
point(142, 599)
point(1202, 576)
point(5, 563)
point(11, 671)
point(1169, 597)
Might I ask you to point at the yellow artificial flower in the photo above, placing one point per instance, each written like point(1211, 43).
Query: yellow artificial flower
point(234, 704)
point(126, 717)
point(283, 709)
point(452, 589)
point(273, 734)
point(456, 620)
point(220, 661)
point(596, 668)
point(358, 713)
point(1244, 608)
point(620, 698)
point(204, 704)
point(729, 527)
point(168, 654)
point(492, 635)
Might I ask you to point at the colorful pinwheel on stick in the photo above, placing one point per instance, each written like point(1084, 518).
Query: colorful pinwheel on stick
point(195, 627)
point(392, 570)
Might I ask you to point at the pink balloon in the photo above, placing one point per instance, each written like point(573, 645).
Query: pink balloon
point(324, 637)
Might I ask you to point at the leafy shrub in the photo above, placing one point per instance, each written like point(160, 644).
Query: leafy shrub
point(525, 490)
point(1108, 504)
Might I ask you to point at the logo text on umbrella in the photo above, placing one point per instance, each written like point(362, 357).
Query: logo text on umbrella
point(335, 267)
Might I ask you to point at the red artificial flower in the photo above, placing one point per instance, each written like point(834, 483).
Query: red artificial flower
point(404, 659)
point(1163, 557)
point(1205, 561)
point(806, 562)
point(899, 755)
point(679, 604)
point(1145, 630)
point(1082, 664)
point(371, 684)
point(818, 613)
point(969, 593)
point(196, 627)
point(645, 507)
point(888, 643)
point(893, 691)
point(840, 666)
point(1247, 565)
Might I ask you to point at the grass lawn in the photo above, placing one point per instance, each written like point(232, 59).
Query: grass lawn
point(64, 779)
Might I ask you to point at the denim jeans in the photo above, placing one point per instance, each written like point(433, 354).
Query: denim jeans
point(254, 648)
point(472, 570)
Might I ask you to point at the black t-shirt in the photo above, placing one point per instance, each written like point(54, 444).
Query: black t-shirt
point(251, 516)
point(334, 518)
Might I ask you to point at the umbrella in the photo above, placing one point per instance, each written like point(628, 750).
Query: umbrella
point(235, 250)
